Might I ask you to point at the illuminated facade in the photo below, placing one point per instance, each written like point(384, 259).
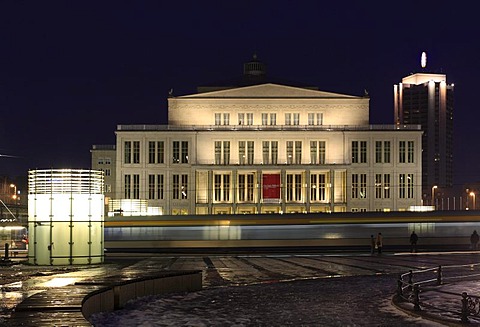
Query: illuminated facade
point(426, 99)
point(267, 147)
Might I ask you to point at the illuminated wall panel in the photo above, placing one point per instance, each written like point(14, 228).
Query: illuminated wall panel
point(65, 216)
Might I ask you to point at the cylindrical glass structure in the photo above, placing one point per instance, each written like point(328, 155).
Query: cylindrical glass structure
point(65, 216)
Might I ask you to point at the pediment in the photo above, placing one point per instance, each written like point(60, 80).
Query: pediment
point(268, 90)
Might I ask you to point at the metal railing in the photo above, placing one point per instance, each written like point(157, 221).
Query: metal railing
point(410, 285)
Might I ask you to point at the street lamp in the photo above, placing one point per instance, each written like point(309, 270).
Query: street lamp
point(14, 196)
point(472, 194)
point(433, 194)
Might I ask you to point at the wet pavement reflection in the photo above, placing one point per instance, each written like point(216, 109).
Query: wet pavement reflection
point(20, 281)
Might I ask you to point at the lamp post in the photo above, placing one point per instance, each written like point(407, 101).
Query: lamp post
point(433, 194)
point(472, 194)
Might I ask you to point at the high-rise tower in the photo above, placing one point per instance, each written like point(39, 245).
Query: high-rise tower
point(426, 99)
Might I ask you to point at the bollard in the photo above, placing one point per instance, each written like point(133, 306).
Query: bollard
point(416, 298)
point(464, 307)
point(439, 275)
point(6, 252)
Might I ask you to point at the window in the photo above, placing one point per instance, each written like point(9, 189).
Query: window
point(298, 152)
point(322, 152)
point(155, 187)
point(151, 187)
point(184, 152)
point(126, 186)
point(127, 152)
point(241, 119)
point(359, 151)
point(386, 186)
point(294, 152)
point(241, 152)
point(180, 152)
point(108, 188)
point(354, 152)
point(401, 151)
point(136, 152)
point(151, 152)
point(378, 186)
point(136, 186)
point(270, 152)
point(160, 187)
point(318, 187)
point(249, 118)
point(386, 151)
point(108, 161)
point(317, 152)
point(180, 186)
point(315, 119)
point(221, 187)
point(222, 148)
point(246, 187)
point(264, 119)
point(176, 152)
point(218, 119)
point(382, 151)
point(406, 150)
point(156, 152)
point(250, 152)
point(274, 148)
point(289, 152)
point(359, 186)
point(160, 152)
point(266, 152)
point(100, 161)
point(363, 152)
point(288, 119)
point(273, 119)
point(313, 152)
point(108, 172)
point(294, 187)
point(405, 184)
point(296, 119)
point(410, 149)
point(378, 151)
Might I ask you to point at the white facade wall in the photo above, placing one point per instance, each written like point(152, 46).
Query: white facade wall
point(213, 186)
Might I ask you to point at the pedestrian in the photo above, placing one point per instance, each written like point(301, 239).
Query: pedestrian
point(413, 242)
point(379, 243)
point(474, 240)
point(372, 244)
point(25, 241)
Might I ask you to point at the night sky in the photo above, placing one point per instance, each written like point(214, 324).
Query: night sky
point(70, 71)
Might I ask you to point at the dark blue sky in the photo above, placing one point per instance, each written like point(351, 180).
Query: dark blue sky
point(70, 71)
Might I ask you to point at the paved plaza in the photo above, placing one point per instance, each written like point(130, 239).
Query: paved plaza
point(299, 289)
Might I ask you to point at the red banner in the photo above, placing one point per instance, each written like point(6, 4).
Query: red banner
point(271, 187)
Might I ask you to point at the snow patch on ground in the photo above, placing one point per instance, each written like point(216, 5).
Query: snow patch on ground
point(347, 301)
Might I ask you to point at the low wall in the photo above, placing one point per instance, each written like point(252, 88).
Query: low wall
point(116, 296)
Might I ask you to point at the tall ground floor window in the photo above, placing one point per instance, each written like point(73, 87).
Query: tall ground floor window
point(180, 186)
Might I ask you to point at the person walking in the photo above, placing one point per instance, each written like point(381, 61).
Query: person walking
point(474, 240)
point(413, 242)
point(372, 244)
point(379, 243)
